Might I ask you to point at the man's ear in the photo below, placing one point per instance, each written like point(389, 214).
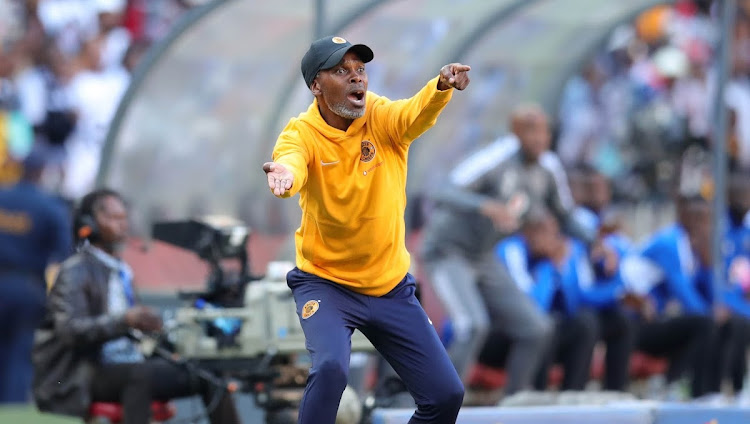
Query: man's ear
point(315, 88)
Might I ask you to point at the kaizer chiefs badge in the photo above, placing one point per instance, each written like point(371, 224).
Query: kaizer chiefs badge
point(368, 151)
point(309, 308)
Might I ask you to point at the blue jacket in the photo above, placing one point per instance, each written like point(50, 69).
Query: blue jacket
point(606, 289)
point(575, 279)
point(537, 278)
point(618, 242)
point(35, 230)
point(736, 250)
point(593, 287)
point(677, 273)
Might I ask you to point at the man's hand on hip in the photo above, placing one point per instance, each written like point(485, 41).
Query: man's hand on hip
point(454, 75)
point(280, 179)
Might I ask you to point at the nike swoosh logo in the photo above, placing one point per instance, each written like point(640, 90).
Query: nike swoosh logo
point(329, 163)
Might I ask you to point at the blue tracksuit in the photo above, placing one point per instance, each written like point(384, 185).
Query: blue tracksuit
point(603, 290)
point(737, 261)
point(396, 325)
point(34, 231)
point(535, 278)
point(676, 272)
point(579, 283)
point(596, 289)
point(551, 290)
point(561, 292)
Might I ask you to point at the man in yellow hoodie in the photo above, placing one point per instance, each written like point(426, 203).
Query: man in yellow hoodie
point(346, 156)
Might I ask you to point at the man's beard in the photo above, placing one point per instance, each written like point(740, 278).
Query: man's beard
point(119, 246)
point(114, 247)
point(343, 111)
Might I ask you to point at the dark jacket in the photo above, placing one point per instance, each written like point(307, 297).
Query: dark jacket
point(69, 341)
point(35, 231)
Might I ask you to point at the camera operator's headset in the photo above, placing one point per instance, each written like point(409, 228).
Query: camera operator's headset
point(86, 227)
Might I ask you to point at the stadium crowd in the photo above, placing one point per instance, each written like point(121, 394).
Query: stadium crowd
point(635, 124)
point(64, 65)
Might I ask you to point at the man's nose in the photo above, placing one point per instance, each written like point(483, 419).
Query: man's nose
point(355, 78)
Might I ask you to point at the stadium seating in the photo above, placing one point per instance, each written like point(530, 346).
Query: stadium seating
point(112, 412)
point(642, 366)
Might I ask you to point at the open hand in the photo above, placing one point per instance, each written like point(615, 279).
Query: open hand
point(454, 75)
point(280, 179)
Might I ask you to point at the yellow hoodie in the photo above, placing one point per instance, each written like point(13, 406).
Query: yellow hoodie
point(352, 187)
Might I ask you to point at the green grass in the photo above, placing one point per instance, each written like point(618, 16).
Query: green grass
point(29, 415)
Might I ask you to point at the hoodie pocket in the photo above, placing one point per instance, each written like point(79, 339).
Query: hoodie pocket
point(354, 247)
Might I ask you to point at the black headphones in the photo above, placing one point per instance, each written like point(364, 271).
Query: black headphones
point(86, 227)
point(84, 224)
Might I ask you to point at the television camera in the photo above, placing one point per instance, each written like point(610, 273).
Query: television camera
point(243, 326)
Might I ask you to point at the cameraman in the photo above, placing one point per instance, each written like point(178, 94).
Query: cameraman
point(82, 353)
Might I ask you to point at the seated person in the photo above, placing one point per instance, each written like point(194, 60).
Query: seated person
point(734, 336)
point(602, 289)
point(82, 353)
point(540, 261)
point(671, 296)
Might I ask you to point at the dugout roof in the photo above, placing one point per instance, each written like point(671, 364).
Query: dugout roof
point(206, 104)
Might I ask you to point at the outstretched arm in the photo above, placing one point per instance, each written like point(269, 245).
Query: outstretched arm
point(287, 172)
point(407, 119)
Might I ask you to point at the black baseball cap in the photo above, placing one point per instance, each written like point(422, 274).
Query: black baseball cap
point(327, 52)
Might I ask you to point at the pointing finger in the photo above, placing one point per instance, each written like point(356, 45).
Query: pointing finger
point(460, 68)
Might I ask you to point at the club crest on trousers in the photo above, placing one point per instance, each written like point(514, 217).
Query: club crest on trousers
point(309, 308)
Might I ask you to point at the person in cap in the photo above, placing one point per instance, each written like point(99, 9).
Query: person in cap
point(34, 236)
point(346, 156)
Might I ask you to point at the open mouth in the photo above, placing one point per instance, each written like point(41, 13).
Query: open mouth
point(357, 97)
